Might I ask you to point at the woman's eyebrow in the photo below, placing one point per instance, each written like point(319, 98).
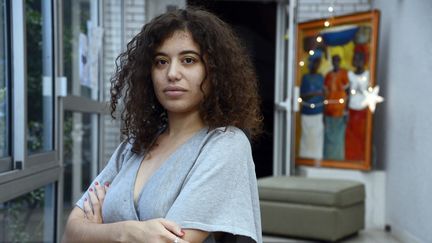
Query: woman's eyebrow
point(160, 54)
point(190, 52)
point(181, 53)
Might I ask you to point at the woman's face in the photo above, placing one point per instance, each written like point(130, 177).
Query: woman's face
point(178, 72)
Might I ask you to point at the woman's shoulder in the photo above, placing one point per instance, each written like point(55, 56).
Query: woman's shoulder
point(226, 139)
point(225, 148)
point(123, 152)
point(125, 147)
point(228, 134)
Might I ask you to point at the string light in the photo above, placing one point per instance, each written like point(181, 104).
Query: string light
point(301, 63)
point(353, 92)
point(331, 10)
point(319, 39)
point(371, 98)
point(311, 52)
point(319, 104)
point(331, 7)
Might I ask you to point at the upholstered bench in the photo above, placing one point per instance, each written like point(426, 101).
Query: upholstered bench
point(323, 209)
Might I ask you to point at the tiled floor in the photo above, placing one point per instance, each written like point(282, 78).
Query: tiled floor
point(365, 236)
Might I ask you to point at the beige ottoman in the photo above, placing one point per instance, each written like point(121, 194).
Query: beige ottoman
point(324, 209)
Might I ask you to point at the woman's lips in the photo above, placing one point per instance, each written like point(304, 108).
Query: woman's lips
point(174, 91)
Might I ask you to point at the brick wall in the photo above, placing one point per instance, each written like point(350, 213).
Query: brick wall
point(318, 9)
point(116, 35)
point(112, 46)
point(154, 8)
point(135, 13)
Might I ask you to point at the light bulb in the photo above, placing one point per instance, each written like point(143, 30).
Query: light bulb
point(326, 23)
point(319, 39)
point(299, 100)
point(311, 52)
point(341, 101)
point(353, 91)
point(325, 102)
point(301, 63)
point(312, 106)
point(330, 9)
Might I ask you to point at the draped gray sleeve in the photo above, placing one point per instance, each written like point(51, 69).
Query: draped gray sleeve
point(111, 169)
point(220, 192)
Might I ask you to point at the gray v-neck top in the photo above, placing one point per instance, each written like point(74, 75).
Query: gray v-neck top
point(208, 183)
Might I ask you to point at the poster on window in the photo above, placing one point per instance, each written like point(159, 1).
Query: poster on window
point(84, 65)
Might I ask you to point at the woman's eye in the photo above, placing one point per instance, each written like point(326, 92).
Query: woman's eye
point(161, 62)
point(189, 60)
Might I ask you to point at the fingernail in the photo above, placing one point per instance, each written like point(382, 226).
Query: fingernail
point(182, 232)
point(85, 199)
point(91, 189)
point(107, 184)
point(96, 183)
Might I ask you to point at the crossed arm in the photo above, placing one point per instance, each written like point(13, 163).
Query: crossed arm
point(86, 225)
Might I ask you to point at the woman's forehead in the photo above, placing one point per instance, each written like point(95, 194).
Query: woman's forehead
point(179, 40)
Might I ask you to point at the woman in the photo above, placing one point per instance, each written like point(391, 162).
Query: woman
point(355, 137)
point(185, 172)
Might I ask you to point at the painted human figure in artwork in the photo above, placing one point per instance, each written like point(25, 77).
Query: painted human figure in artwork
point(355, 140)
point(336, 92)
point(312, 94)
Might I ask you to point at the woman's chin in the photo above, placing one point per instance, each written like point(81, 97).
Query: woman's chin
point(181, 109)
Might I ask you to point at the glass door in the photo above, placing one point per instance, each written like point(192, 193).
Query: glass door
point(80, 107)
point(284, 91)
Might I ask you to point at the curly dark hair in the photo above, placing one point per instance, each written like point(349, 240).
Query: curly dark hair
point(232, 99)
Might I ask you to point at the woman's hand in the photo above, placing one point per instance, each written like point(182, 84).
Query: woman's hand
point(151, 231)
point(154, 230)
point(93, 204)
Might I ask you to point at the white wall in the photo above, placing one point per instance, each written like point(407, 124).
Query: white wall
point(403, 128)
point(317, 9)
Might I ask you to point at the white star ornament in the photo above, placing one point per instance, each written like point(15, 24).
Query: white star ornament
point(372, 98)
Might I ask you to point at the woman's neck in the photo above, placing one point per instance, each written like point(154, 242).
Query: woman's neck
point(183, 124)
point(359, 70)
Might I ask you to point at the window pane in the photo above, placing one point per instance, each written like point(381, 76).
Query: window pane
point(29, 218)
point(80, 156)
point(81, 44)
point(4, 114)
point(39, 75)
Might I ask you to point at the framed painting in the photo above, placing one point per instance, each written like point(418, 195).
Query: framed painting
point(336, 60)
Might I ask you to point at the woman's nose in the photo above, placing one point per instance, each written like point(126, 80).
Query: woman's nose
point(174, 73)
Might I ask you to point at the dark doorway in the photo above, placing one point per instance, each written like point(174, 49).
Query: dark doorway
point(255, 24)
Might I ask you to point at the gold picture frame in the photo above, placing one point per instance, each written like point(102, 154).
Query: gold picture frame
point(336, 60)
